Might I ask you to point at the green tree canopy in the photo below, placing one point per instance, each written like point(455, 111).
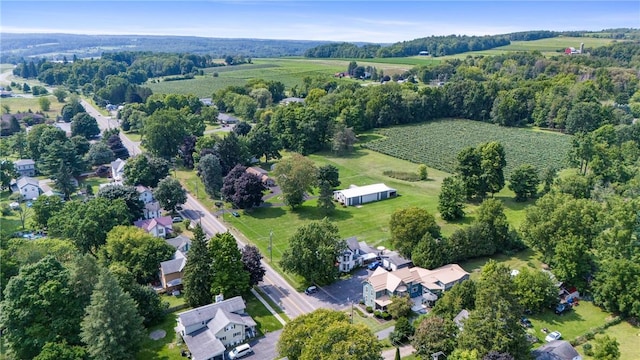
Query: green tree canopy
point(197, 276)
point(229, 277)
point(451, 199)
point(111, 328)
point(524, 182)
point(433, 334)
point(295, 176)
point(535, 290)
point(313, 251)
point(163, 132)
point(170, 194)
point(145, 170)
point(408, 226)
point(85, 125)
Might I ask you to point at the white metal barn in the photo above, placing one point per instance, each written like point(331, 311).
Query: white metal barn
point(356, 195)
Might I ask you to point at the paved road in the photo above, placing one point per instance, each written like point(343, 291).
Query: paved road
point(274, 285)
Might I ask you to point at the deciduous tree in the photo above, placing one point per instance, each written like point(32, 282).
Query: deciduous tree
point(210, 172)
point(434, 334)
point(111, 328)
point(607, 348)
point(45, 103)
point(400, 306)
point(85, 125)
point(313, 251)
point(163, 132)
point(617, 287)
point(524, 182)
point(99, 154)
point(408, 226)
point(170, 194)
point(145, 170)
point(295, 176)
point(129, 194)
point(45, 207)
point(451, 199)
point(251, 259)
point(535, 290)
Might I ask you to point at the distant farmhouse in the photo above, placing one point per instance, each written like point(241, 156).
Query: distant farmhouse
point(357, 195)
point(574, 51)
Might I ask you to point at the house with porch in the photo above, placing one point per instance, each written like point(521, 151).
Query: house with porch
point(158, 227)
point(209, 330)
point(420, 284)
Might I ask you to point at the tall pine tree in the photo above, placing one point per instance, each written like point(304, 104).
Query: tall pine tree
point(197, 272)
point(111, 328)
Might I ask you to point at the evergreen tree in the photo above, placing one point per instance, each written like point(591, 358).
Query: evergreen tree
point(111, 328)
point(197, 277)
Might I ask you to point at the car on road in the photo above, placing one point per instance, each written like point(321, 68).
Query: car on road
point(235, 214)
point(176, 219)
point(553, 336)
point(311, 290)
point(374, 265)
point(562, 308)
point(240, 351)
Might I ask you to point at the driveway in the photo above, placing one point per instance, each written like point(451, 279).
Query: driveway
point(264, 348)
point(341, 293)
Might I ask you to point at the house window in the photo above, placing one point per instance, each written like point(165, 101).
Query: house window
point(224, 338)
point(237, 334)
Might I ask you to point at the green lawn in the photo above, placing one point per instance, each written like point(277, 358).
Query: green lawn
point(167, 348)
point(134, 136)
point(94, 182)
point(627, 336)
point(525, 258)
point(19, 104)
point(192, 183)
point(273, 305)
point(576, 322)
point(265, 320)
point(371, 322)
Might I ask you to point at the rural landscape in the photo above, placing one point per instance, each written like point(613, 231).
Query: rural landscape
point(451, 197)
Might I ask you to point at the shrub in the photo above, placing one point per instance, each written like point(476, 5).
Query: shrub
point(385, 315)
point(588, 349)
point(377, 314)
point(369, 309)
point(5, 210)
point(402, 175)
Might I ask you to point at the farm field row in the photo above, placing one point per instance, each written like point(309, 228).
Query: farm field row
point(437, 143)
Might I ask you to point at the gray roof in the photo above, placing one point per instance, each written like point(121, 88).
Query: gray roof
point(396, 259)
point(556, 350)
point(152, 206)
point(24, 162)
point(461, 317)
point(352, 243)
point(25, 180)
point(179, 242)
point(203, 344)
point(174, 265)
point(227, 117)
point(223, 318)
point(208, 312)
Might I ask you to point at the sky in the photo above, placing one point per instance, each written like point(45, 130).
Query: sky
point(354, 21)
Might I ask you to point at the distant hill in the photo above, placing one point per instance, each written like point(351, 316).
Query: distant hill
point(55, 46)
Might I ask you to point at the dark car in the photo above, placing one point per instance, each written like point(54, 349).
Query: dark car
point(526, 322)
point(562, 308)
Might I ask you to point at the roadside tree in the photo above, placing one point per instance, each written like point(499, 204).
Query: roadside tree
point(210, 172)
point(313, 250)
point(85, 125)
point(251, 258)
point(228, 274)
point(145, 170)
point(433, 334)
point(170, 194)
point(129, 194)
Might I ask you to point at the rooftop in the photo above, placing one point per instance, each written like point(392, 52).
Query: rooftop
point(208, 312)
point(355, 191)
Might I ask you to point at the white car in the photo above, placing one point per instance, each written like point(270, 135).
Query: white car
point(240, 351)
point(553, 336)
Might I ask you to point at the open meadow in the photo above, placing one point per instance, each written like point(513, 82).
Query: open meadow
point(437, 144)
point(24, 104)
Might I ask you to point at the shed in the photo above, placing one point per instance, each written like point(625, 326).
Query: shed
point(357, 195)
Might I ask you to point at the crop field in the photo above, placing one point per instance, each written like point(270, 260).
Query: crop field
point(437, 143)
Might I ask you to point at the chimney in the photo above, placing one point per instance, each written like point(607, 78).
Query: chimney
point(219, 298)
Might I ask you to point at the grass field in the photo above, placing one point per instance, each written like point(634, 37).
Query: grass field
point(437, 143)
point(167, 348)
point(20, 104)
point(526, 258)
point(627, 336)
point(576, 322)
point(265, 321)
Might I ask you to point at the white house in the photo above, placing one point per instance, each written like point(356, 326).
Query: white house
point(356, 195)
point(117, 169)
point(158, 227)
point(209, 330)
point(28, 187)
point(356, 254)
point(152, 210)
point(25, 167)
point(146, 195)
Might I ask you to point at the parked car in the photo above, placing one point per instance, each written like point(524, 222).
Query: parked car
point(235, 214)
point(176, 219)
point(553, 336)
point(240, 351)
point(311, 290)
point(374, 265)
point(526, 322)
point(562, 308)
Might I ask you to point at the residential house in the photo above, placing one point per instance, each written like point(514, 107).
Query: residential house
point(28, 187)
point(171, 271)
point(158, 227)
point(357, 195)
point(289, 100)
point(224, 118)
point(262, 174)
point(152, 210)
point(117, 169)
point(415, 282)
point(556, 350)
point(146, 195)
point(25, 167)
point(356, 254)
point(209, 330)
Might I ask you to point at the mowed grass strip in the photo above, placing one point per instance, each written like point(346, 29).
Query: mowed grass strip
point(264, 319)
point(437, 144)
point(627, 336)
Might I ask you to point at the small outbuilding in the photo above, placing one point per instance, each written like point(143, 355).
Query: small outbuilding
point(356, 195)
